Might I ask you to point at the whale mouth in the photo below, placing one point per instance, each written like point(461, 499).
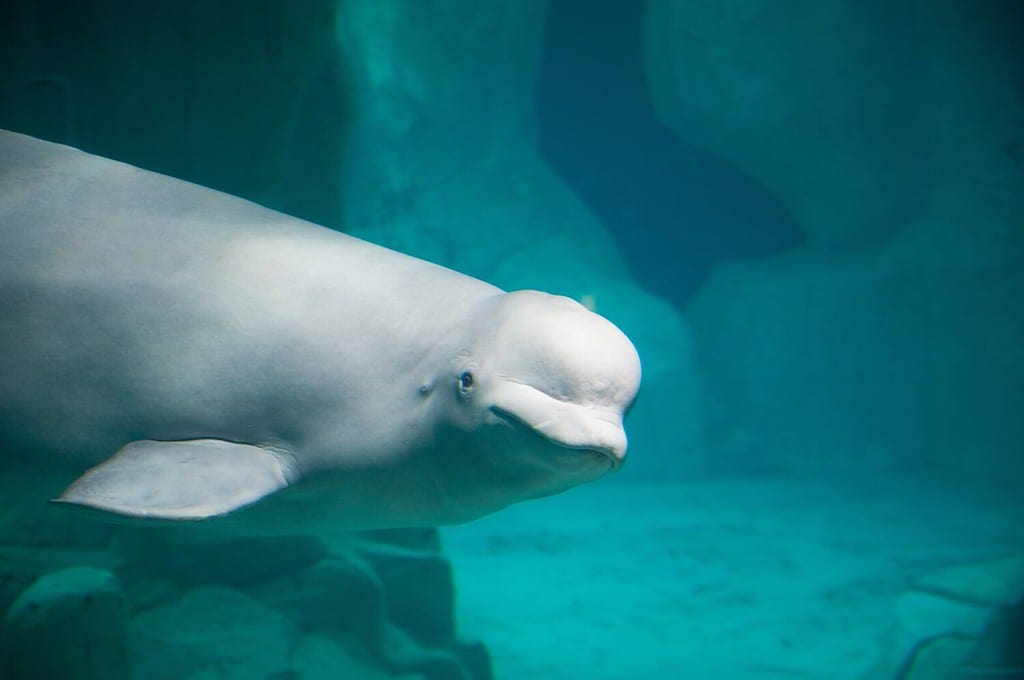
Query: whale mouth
point(610, 453)
point(565, 424)
point(604, 453)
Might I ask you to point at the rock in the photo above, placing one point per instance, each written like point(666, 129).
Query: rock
point(149, 593)
point(419, 588)
point(68, 624)
point(849, 111)
point(901, 355)
point(992, 583)
point(21, 566)
point(442, 143)
point(813, 363)
point(964, 262)
point(475, 658)
point(757, 84)
point(443, 162)
point(258, 116)
point(189, 557)
point(316, 657)
point(340, 594)
point(1000, 649)
point(214, 631)
point(890, 338)
point(959, 622)
point(28, 523)
point(386, 595)
point(425, 539)
point(404, 655)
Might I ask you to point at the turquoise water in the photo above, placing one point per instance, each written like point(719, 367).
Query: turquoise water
point(806, 217)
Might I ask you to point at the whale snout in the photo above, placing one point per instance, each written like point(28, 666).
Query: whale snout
point(580, 427)
point(566, 424)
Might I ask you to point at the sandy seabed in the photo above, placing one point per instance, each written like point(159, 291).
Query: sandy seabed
point(738, 578)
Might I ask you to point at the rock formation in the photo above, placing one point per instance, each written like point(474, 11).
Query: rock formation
point(892, 132)
point(71, 623)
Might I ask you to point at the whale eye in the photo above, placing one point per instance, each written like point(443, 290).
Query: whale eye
point(466, 382)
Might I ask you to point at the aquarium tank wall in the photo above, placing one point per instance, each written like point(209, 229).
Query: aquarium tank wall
point(807, 216)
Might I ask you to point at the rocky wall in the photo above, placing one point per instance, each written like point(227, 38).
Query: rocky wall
point(892, 131)
point(95, 601)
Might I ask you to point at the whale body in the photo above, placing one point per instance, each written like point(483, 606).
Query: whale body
point(192, 353)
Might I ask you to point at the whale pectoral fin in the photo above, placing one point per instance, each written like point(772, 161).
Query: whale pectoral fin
point(181, 480)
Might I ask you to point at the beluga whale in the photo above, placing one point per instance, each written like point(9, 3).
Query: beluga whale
point(192, 355)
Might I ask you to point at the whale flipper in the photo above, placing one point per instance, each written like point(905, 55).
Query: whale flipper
point(181, 480)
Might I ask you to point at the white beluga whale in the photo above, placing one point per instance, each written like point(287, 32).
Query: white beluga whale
point(192, 353)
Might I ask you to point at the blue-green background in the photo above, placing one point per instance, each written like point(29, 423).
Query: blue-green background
point(807, 215)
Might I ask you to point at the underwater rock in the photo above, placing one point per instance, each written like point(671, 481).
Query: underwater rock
point(419, 587)
point(418, 594)
point(812, 364)
point(819, 101)
point(339, 594)
point(146, 592)
point(443, 161)
point(387, 593)
point(239, 95)
point(959, 622)
point(212, 628)
point(404, 655)
point(26, 522)
point(892, 336)
point(20, 566)
point(188, 557)
point(68, 624)
point(965, 262)
point(852, 113)
point(900, 355)
point(40, 538)
point(317, 657)
point(378, 604)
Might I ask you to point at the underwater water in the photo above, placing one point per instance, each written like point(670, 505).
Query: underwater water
point(808, 218)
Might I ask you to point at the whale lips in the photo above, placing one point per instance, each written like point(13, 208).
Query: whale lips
point(570, 425)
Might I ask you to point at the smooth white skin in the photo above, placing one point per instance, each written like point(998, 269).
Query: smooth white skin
point(135, 306)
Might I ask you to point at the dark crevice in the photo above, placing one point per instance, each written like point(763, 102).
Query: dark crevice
point(673, 210)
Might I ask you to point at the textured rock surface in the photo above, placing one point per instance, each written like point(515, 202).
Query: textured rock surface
point(188, 557)
point(892, 131)
point(792, 93)
point(316, 657)
point(199, 602)
point(71, 623)
point(381, 600)
point(959, 622)
point(213, 629)
point(239, 96)
point(443, 160)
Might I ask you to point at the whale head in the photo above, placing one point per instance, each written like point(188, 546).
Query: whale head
point(544, 387)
